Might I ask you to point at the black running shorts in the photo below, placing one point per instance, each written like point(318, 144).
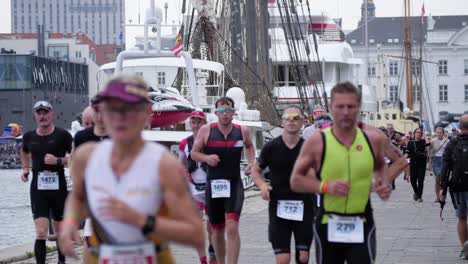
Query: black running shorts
point(45, 202)
point(338, 253)
point(218, 209)
point(280, 230)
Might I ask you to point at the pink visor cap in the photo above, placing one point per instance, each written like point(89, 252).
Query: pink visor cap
point(127, 92)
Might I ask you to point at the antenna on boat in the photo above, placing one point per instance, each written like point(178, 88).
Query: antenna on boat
point(153, 19)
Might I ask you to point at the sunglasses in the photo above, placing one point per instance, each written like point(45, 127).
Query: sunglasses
point(41, 104)
point(295, 116)
point(221, 110)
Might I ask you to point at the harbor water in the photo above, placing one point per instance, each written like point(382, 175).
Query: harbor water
point(16, 223)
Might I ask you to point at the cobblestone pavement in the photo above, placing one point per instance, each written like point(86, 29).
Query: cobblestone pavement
point(407, 231)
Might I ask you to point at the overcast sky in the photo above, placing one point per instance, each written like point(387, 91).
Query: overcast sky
point(349, 10)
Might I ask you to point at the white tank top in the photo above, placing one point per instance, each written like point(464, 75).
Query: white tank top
point(138, 187)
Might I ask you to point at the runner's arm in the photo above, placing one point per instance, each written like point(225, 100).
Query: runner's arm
point(25, 158)
point(446, 167)
point(75, 203)
point(248, 145)
point(184, 224)
point(304, 178)
point(398, 164)
point(199, 143)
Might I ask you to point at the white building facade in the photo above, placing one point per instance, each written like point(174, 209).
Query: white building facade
point(101, 20)
point(444, 67)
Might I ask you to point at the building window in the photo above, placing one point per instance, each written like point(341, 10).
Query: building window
point(161, 78)
point(371, 40)
point(78, 54)
point(415, 68)
point(393, 68)
point(443, 93)
point(396, 40)
point(353, 41)
point(371, 70)
point(390, 40)
point(443, 67)
point(466, 92)
point(466, 67)
point(394, 93)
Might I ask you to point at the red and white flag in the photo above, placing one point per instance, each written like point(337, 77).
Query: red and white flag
point(179, 44)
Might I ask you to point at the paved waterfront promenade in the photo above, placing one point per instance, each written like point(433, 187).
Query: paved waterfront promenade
point(407, 231)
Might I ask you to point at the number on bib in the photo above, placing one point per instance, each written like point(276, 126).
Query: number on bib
point(134, 254)
point(345, 229)
point(47, 180)
point(220, 188)
point(291, 210)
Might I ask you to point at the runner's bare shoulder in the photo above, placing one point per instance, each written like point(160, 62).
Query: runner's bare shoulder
point(83, 152)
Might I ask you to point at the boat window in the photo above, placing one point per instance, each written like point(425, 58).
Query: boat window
point(387, 117)
point(394, 116)
point(379, 117)
point(371, 116)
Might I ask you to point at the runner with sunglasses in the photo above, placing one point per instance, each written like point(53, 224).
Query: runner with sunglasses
point(47, 146)
point(135, 192)
point(289, 212)
point(220, 145)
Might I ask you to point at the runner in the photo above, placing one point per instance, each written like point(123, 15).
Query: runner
point(136, 180)
point(438, 145)
point(453, 174)
point(416, 152)
point(94, 133)
point(47, 147)
point(344, 229)
point(222, 144)
point(87, 117)
point(197, 176)
point(289, 212)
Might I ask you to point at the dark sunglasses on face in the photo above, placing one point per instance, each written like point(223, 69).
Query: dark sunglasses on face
point(295, 116)
point(221, 110)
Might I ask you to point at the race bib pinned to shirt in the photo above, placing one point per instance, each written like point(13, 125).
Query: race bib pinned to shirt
point(120, 254)
point(345, 229)
point(220, 188)
point(48, 180)
point(291, 210)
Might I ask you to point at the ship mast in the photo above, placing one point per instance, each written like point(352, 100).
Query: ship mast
point(408, 58)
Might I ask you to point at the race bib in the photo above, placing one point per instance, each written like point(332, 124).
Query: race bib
point(291, 210)
point(48, 180)
point(128, 254)
point(345, 229)
point(220, 188)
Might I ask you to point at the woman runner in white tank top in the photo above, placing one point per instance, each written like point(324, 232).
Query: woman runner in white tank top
point(121, 184)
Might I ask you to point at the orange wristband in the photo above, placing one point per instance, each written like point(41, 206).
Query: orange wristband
point(323, 187)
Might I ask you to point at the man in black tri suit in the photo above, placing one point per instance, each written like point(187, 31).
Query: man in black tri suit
point(47, 147)
point(222, 144)
point(289, 212)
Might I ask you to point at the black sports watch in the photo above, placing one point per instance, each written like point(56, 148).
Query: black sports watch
point(149, 226)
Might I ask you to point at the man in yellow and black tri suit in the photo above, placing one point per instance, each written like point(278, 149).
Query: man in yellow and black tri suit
point(343, 163)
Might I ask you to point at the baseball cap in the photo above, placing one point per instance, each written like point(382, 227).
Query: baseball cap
point(95, 101)
point(127, 92)
point(43, 105)
point(318, 111)
point(198, 114)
